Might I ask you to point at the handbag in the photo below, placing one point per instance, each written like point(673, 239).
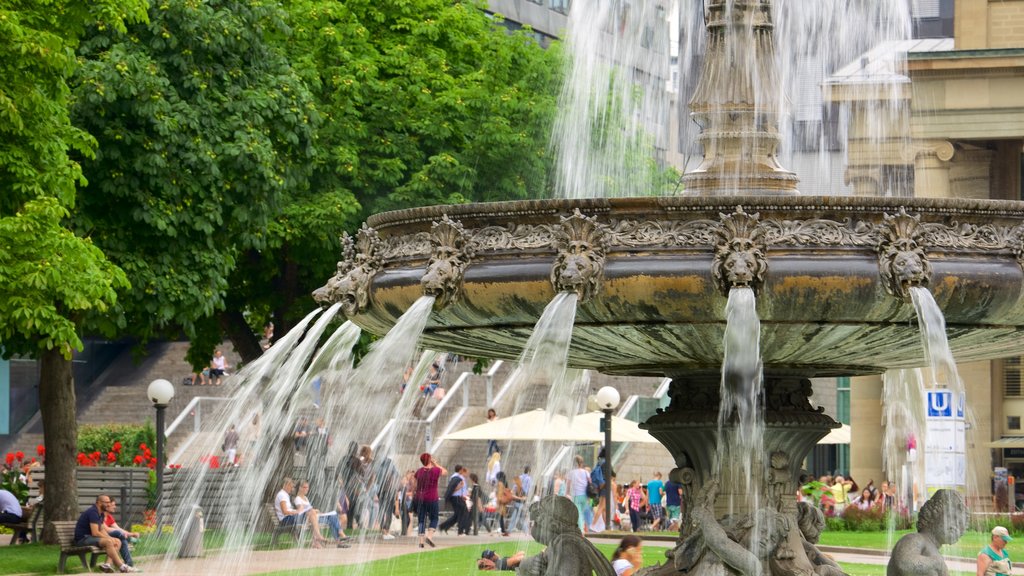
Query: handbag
point(504, 496)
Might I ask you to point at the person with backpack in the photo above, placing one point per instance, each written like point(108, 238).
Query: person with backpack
point(578, 482)
point(598, 480)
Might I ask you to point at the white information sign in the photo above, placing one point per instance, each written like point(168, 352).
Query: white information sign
point(946, 441)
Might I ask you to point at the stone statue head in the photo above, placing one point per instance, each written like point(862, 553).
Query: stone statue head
point(902, 260)
point(451, 255)
point(553, 516)
point(579, 265)
point(351, 285)
point(943, 517)
point(740, 252)
point(810, 520)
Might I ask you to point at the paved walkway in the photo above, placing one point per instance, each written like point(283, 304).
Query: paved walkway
point(235, 564)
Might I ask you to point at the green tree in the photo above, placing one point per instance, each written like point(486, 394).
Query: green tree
point(430, 101)
point(204, 133)
point(50, 279)
point(425, 102)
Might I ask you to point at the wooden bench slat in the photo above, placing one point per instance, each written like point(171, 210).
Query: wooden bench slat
point(65, 530)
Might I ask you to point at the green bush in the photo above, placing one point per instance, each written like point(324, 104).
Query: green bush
point(1012, 522)
point(129, 438)
point(871, 520)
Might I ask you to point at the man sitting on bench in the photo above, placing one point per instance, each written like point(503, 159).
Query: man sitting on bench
point(91, 531)
point(11, 512)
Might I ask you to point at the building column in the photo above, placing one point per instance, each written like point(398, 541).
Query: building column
point(867, 430)
point(931, 170)
point(970, 25)
point(983, 396)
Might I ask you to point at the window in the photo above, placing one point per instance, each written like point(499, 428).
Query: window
point(1011, 378)
point(1013, 422)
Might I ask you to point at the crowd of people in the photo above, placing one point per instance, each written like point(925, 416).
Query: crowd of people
point(835, 494)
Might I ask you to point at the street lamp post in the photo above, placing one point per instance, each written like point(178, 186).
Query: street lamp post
point(160, 393)
point(607, 401)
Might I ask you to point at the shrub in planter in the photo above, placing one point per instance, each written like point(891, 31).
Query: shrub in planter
point(870, 520)
point(116, 445)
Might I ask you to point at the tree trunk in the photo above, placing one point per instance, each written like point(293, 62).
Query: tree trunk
point(288, 290)
point(60, 436)
point(247, 344)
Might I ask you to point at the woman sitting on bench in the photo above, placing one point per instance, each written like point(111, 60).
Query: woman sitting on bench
point(288, 515)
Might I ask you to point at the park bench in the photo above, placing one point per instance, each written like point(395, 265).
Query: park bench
point(295, 530)
point(29, 525)
point(65, 531)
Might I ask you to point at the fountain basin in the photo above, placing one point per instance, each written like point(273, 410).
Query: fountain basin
point(826, 300)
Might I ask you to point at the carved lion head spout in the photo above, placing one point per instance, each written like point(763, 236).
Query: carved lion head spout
point(579, 266)
point(902, 261)
point(739, 254)
point(452, 253)
point(351, 285)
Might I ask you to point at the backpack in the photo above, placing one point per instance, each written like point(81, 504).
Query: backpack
point(597, 476)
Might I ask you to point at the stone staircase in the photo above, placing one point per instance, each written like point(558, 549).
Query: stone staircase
point(120, 396)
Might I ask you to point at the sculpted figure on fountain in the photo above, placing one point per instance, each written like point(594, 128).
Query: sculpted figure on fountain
point(902, 261)
point(452, 252)
point(942, 520)
point(579, 266)
point(740, 252)
point(567, 553)
point(351, 285)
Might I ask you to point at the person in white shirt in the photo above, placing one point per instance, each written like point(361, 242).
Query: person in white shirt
point(288, 515)
point(218, 367)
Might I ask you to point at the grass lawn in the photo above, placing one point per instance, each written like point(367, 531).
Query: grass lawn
point(968, 546)
point(42, 559)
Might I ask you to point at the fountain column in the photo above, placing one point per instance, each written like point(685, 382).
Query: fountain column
point(736, 105)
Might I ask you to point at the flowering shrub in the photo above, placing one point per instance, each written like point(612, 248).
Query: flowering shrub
point(116, 445)
point(15, 466)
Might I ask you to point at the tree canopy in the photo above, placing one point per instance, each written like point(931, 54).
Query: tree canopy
point(238, 140)
point(427, 101)
point(203, 131)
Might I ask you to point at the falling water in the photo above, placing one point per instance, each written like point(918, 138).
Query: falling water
point(831, 56)
point(543, 365)
point(612, 123)
point(740, 418)
point(273, 393)
point(263, 409)
point(546, 353)
point(903, 417)
point(946, 461)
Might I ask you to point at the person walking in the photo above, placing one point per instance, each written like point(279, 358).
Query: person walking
point(994, 560)
point(426, 497)
point(455, 494)
point(230, 447)
point(578, 480)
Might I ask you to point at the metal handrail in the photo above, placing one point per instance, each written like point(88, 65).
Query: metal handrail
point(462, 411)
point(436, 412)
point(193, 408)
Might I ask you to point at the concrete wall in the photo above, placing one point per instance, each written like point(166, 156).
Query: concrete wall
point(989, 24)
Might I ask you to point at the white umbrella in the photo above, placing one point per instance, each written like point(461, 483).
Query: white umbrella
point(839, 435)
point(539, 425)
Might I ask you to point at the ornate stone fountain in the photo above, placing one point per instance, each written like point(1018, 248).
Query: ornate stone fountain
point(831, 276)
